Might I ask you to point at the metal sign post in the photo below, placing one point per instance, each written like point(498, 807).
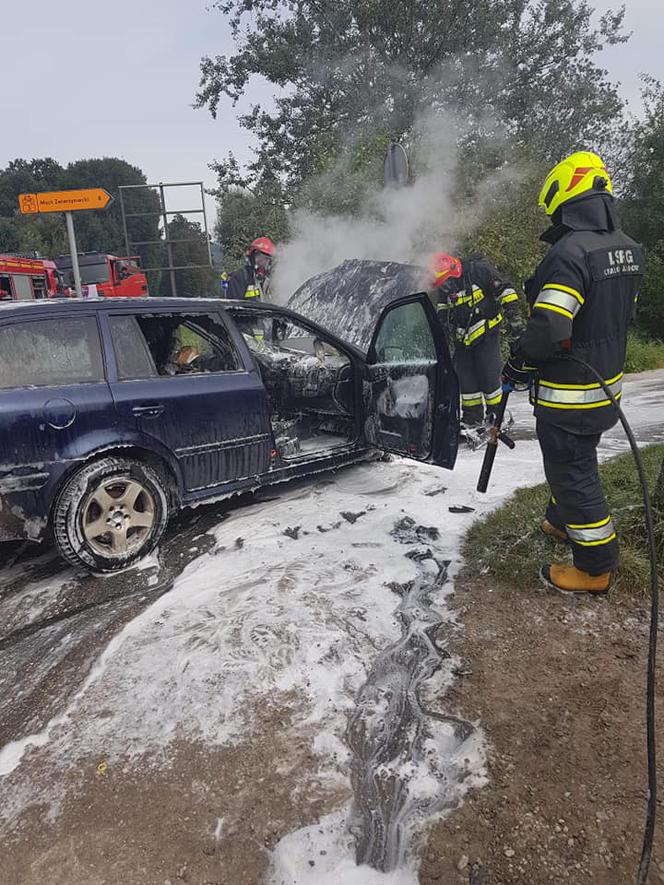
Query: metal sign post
point(74, 254)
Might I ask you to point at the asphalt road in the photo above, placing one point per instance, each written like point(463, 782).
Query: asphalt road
point(262, 582)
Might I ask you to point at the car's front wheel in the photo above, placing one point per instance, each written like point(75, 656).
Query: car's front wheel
point(110, 513)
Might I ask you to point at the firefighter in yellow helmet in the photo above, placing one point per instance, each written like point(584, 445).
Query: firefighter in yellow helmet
point(582, 299)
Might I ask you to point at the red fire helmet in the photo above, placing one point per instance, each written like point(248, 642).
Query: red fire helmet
point(444, 266)
point(262, 244)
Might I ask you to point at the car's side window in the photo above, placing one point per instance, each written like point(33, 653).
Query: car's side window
point(405, 336)
point(184, 344)
point(50, 353)
point(132, 356)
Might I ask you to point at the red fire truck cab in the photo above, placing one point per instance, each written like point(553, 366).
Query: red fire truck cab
point(114, 277)
point(23, 279)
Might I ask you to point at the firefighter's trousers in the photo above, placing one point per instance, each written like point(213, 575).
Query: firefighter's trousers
point(478, 369)
point(577, 504)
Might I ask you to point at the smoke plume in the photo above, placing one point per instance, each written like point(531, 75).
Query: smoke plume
point(404, 225)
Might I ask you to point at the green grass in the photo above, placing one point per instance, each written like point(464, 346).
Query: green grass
point(508, 546)
point(643, 353)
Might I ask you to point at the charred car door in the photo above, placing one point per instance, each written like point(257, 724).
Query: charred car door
point(182, 386)
point(411, 392)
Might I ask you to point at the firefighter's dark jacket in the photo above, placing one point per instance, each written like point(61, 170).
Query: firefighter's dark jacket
point(582, 300)
point(473, 306)
point(243, 284)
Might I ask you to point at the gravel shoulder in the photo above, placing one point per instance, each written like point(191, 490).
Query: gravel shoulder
point(559, 687)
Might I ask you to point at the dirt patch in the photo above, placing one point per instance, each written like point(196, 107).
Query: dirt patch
point(201, 815)
point(559, 687)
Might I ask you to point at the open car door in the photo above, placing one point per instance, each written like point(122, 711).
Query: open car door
point(411, 392)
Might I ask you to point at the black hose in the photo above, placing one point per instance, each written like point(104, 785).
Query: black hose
point(651, 812)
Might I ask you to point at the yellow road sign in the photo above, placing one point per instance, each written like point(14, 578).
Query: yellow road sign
point(28, 204)
point(64, 201)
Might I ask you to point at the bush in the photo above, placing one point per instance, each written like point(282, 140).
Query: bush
point(509, 547)
point(643, 353)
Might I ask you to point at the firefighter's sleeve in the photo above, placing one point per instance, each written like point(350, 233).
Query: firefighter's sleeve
point(503, 293)
point(558, 301)
point(511, 309)
point(236, 286)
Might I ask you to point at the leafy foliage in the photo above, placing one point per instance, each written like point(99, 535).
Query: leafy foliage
point(643, 353)
point(509, 233)
point(353, 76)
point(189, 248)
point(353, 70)
point(94, 230)
point(643, 205)
point(509, 547)
point(246, 213)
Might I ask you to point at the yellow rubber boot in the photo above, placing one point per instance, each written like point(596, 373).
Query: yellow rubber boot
point(552, 532)
point(568, 579)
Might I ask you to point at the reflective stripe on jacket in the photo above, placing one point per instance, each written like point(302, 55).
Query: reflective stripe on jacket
point(477, 303)
point(582, 301)
point(243, 284)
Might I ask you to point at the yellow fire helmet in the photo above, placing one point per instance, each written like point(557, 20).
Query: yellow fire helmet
point(576, 175)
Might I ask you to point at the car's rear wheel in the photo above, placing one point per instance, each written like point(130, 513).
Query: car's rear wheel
point(110, 514)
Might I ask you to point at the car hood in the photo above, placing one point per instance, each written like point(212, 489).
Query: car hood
point(349, 299)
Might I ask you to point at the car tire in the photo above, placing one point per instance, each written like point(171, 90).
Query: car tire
point(110, 513)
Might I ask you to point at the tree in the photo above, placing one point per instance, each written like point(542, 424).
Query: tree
point(9, 239)
point(643, 203)
point(244, 214)
point(510, 230)
point(26, 177)
point(363, 72)
point(95, 231)
point(189, 248)
point(44, 234)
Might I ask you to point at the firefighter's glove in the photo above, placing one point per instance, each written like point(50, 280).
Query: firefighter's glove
point(516, 373)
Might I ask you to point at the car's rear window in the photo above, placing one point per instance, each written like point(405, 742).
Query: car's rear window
point(47, 353)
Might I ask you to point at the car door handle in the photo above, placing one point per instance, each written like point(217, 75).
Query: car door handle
point(151, 411)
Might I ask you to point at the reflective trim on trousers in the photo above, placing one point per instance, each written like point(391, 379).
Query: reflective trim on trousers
point(592, 534)
point(493, 398)
point(471, 399)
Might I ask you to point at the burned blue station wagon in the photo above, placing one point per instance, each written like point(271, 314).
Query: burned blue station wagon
point(114, 413)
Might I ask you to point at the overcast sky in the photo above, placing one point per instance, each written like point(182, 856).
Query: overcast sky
point(84, 78)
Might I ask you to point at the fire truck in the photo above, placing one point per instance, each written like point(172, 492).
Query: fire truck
point(113, 277)
point(23, 279)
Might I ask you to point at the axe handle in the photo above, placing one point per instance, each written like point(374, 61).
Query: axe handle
point(492, 444)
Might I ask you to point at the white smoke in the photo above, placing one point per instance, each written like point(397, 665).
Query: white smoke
point(405, 224)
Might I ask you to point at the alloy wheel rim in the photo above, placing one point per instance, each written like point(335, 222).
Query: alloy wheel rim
point(118, 517)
